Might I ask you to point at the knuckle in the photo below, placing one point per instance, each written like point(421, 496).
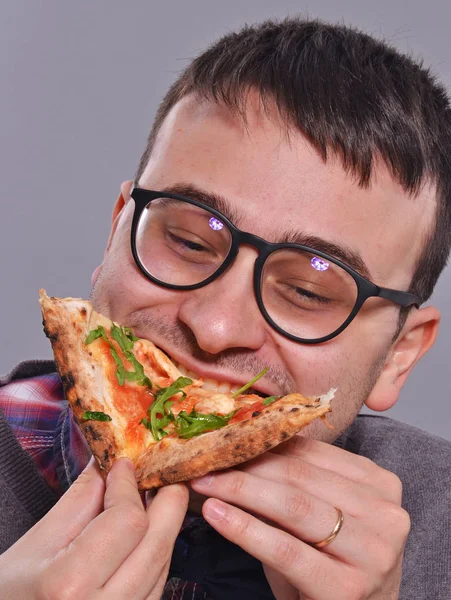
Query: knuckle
point(284, 553)
point(392, 484)
point(395, 484)
point(236, 482)
point(58, 585)
point(368, 472)
point(405, 523)
point(296, 470)
point(354, 588)
point(388, 559)
point(243, 524)
point(366, 467)
point(297, 506)
point(402, 520)
point(396, 518)
point(134, 518)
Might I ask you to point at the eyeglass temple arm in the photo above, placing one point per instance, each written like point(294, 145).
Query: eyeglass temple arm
point(401, 298)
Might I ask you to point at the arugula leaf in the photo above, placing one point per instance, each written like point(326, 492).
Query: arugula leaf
point(92, 415)
point(167, 392)
point(270, 399)
point(188, 426)
point(129, 334)
point(125, 339)
point(162, 406)
point(251, 383)
point(94, 334)
point(118, 334)
point(120, 373)
point(145, 421)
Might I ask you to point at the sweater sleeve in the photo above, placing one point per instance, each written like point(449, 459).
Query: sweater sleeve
point(24, 495)
point(422, 461)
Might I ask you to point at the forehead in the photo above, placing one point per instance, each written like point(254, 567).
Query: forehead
point(277, 183)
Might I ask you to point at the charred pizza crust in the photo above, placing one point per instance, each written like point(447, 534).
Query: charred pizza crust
point(177, 459)
point(68, 321)
point(66, 325)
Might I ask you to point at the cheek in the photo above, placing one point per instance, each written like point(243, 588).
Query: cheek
point(313, 369)
point(121, 289)
point(346, 364)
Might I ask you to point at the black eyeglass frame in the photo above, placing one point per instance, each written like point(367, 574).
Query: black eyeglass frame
point(365, 288)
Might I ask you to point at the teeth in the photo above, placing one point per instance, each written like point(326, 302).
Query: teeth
point(224, 387)
point(186, 372)
point(182, 370)
point(209, 384)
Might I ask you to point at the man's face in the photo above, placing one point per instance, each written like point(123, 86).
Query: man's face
point(275, 184)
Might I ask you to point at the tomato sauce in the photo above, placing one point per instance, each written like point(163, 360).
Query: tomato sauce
point(127, 396)
point(245, 412)
point(187, 404)
point(131, 400)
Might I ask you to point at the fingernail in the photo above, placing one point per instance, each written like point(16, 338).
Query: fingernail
point(204, 481)
point(214, 510)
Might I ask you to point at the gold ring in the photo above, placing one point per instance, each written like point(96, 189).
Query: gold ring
point(334, 533)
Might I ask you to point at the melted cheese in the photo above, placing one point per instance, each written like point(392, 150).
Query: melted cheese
point(207, 402)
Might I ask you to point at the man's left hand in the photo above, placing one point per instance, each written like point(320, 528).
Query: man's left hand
point(289, 497)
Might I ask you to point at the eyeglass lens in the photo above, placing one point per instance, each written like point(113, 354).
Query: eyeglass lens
point(181, 244)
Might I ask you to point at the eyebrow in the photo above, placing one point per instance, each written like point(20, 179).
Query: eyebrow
point(347, 255)
point(210, 199)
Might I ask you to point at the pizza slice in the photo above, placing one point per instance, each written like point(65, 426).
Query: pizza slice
point(129, 399)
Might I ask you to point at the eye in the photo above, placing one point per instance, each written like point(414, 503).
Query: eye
point(311, 296)
point(190, 245)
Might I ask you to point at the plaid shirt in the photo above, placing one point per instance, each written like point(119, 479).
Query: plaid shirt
point(39, 415)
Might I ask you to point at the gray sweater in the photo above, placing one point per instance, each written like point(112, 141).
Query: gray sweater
point(422, 462)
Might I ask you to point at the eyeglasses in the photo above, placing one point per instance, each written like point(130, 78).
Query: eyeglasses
point(304, 294)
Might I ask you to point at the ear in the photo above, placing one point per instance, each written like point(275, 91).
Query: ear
point(416, 338)
point(121, 202)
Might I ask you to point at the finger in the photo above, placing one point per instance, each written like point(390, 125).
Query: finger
point(72, 513)
point(304, 516)
point(157, 592)
point(280, 586)
point(107, 541)
point(141, 573)
point(331, 486)
point(312, 573)
point(333, 458)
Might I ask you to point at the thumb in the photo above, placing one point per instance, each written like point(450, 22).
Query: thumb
point(82, 502)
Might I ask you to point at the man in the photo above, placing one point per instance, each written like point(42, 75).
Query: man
point(334, 145)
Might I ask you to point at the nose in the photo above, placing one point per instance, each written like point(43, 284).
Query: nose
point(224, 314)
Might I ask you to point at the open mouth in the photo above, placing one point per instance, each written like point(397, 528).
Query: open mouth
point(215, 385)
point(165, 365)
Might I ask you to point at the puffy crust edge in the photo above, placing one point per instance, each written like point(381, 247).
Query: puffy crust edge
point(66, 324)
point(177, 459)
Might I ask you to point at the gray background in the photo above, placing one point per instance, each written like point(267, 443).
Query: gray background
point(80, 82)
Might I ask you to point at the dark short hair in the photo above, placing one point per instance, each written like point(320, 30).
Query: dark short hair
point(351, 95)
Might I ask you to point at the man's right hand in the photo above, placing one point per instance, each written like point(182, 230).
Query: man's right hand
point(98, 542)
